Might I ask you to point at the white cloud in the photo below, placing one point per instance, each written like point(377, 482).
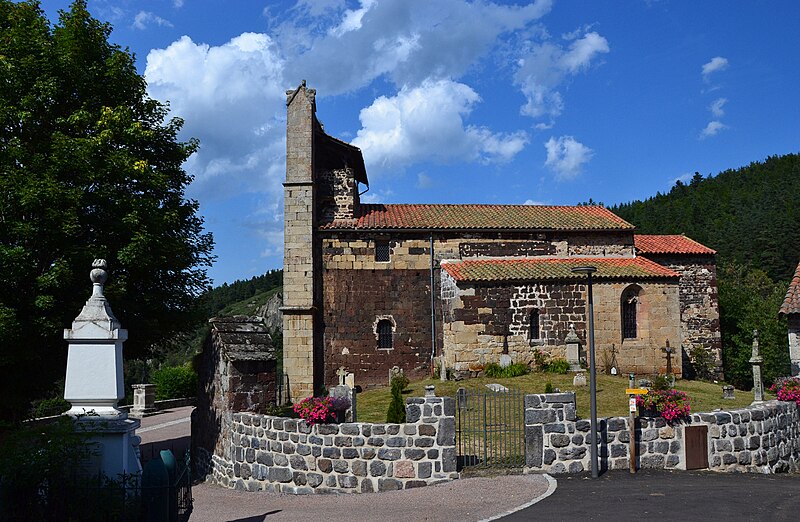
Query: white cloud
point(547, 65)
point(177, 4)
point(716, 107)
point(712, 129)
point(145, 18)
point(566, 156)
point(426, 123)
point(534, 202)
point(406, 41)
point(718, 63)
point(231, 99)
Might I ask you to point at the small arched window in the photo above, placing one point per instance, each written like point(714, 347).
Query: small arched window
point(630, 301)
point(385, 341)
point(533, 325)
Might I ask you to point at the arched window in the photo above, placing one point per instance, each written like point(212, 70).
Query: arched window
point(384, 328)
point(630, 301)
point(533, 324)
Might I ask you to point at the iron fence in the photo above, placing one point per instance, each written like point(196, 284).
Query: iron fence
point(490, 428)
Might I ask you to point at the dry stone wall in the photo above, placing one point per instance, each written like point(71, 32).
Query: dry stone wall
point(763, 438)
point(288, 456)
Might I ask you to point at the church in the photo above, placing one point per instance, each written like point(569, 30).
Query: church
point(368, 287)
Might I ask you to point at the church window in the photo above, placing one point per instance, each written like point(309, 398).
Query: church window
point(382, 251)
point(630, 299)
point(533, 324)
point(385, 341)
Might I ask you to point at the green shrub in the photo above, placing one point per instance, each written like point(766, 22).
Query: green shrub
point(540, 360)
point(548, 388)
point(51, 406)
point(397, 407)
point(512, 370)
point(703, 362)
point(557, 365)
point(661, 383)
point(401, 380)
point(175, 382)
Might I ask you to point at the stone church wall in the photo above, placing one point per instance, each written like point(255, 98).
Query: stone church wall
point(484, 321)
point(699, 301)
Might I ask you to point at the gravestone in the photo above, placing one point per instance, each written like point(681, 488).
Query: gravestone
point(505, 360)
point(579, 379)
point(757, 361)
point(393, 371)
point(497, 388)
point(573, 343)
point(346, 392)
point(727, 392)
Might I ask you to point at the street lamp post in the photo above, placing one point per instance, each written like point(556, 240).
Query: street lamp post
point(589, 270)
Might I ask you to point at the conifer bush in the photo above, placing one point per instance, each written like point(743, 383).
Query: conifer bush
point(397, 407)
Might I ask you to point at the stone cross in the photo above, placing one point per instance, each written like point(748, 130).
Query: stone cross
point(668, 356)
point(756, 360)
point(342, 374)
point(613, 359)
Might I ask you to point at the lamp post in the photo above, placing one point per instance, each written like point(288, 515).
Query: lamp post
point(589, 270)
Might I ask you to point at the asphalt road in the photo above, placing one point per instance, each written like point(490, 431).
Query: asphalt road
point(662, 495)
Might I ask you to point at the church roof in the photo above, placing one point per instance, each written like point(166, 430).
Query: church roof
point(542, 269)
point(669, 244)
point(791, 304)
point(482, 217)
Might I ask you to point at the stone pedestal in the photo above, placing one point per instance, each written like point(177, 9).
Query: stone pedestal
point(144, 400)
point(573, 343)
point(94, 383)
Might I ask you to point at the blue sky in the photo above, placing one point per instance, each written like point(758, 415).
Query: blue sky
point(455, 101)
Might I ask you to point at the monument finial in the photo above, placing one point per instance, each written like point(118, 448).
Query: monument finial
point(99, 276)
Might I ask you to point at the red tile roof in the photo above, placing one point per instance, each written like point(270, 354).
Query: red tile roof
point(540, 269)
point(666, 244)
point(477, 217)
point(791, 304)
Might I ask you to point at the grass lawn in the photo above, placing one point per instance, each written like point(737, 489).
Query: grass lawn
point(611, 398)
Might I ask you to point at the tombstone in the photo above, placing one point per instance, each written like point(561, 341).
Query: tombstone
point(497, 388)
point(757, 361)
point(342, 374)
point(461, 398)
point(505, 360)
point(94, 383)
point(579, 379)
point(573, 343)
point(144, 398)
point(346, 392)
point(668, 351)
point(350, 380)
point(727, 392)
point(430, 391)
point(393, 371)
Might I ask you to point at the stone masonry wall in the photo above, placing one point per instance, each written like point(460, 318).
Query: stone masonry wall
point(763, 438)
point(288, 456)
point(482, 321)
point(353, 303)
point(699, 301)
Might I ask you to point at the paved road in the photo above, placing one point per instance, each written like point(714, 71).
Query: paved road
point(663, 495)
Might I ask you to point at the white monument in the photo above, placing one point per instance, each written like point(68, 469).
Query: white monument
point(94, 383)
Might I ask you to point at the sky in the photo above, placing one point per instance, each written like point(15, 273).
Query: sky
point(550, 102)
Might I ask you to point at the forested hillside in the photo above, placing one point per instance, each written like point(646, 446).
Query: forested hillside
point(750, 216)
point(217, 299)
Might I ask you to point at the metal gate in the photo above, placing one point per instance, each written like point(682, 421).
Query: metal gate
point(490, 428)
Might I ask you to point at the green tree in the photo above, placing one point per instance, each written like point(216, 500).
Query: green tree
point(90, 167)
point(749, 300)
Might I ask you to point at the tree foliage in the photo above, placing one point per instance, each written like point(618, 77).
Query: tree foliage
point(748, 301)
point(90, 167)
